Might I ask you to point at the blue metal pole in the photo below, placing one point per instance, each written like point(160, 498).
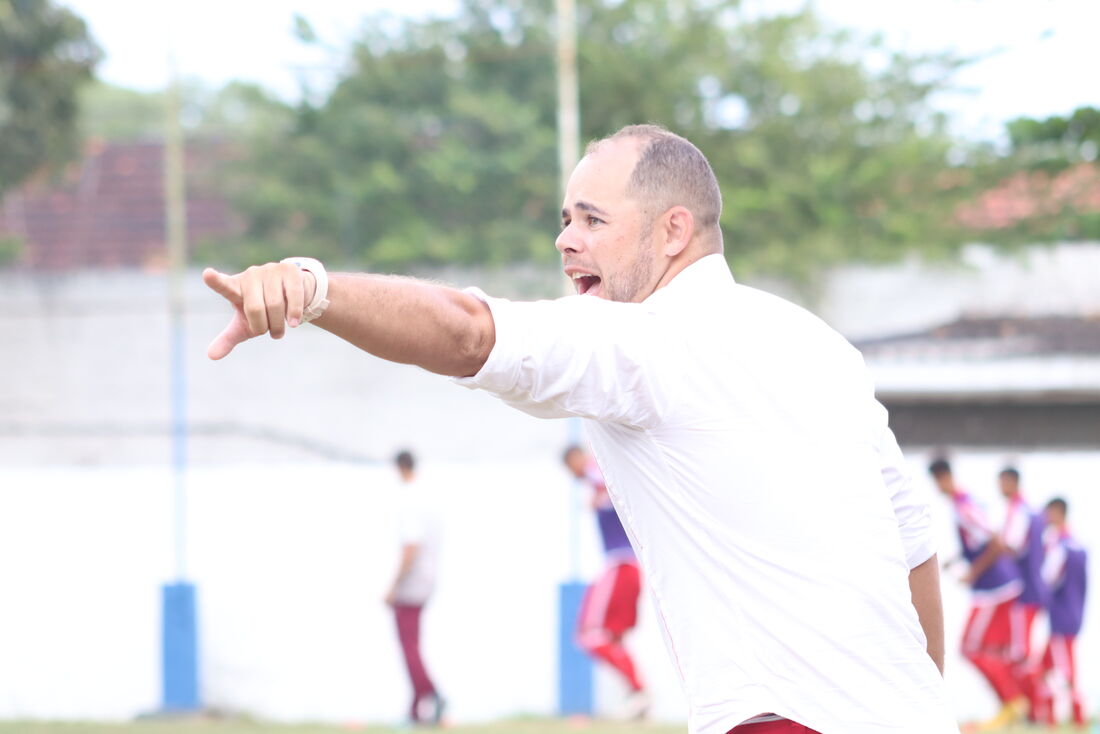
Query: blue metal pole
point(574, 433)
point(575, 694)
point(574, 666)
point(179, 614)
point(179, 444)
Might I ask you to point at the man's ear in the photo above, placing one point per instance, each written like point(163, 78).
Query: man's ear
point(677, 229)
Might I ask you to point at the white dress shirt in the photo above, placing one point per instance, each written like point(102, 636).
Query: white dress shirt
point(418, 524)
point(766, 497)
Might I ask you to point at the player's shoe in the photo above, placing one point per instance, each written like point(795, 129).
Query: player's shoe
point(440, 707)
point(1013, 712)
point(636, 706)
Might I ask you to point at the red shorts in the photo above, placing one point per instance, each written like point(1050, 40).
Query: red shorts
point(989, 628)
point(610, 605)
point(1023, 619)
point(783, 726)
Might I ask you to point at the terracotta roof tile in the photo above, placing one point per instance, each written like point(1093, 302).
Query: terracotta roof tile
point(1027, 195)
point(108, 209)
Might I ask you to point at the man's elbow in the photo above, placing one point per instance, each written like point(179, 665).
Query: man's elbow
point(477, 341)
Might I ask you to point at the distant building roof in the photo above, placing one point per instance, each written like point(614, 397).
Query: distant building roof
point(1044, 358)
point(1029, 195)
point(108, 209)
point(988, 338)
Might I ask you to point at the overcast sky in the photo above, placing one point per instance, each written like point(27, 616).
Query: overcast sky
point(1040, 56)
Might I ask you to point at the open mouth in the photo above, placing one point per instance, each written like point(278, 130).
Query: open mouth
point(586, 284)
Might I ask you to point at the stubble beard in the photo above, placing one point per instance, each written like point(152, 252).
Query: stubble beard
point(636, 277)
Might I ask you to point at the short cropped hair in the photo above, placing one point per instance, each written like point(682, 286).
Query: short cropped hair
point(670, 172)
point(1059, 503)
point(1010, 471)
point(405, 460)
point(939, 467)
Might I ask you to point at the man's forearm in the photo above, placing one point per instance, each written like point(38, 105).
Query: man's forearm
point(402, 320)
point(924, 585)
point(993, 550)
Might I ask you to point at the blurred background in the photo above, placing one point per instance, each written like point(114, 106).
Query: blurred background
point(923, 176)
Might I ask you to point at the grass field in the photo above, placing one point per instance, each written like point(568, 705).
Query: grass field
point(519, 726)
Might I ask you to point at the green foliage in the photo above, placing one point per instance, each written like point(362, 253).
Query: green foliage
point(1056, 142)
point(237, 111)
point(1047, 188)
point(113, 113)
point(11, 249)
point(438, 142)
point(46, 55)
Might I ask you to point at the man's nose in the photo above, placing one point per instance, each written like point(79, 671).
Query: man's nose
point(567, 241)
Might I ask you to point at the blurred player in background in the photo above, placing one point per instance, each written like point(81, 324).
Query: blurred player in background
point(995, 585)
point(1065, 573)
point(1023, 539)
point(791, 560)
point(413, 586)
point(610, 606)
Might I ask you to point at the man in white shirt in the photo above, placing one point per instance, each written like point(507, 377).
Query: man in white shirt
point(789, 557)
point(413, 585)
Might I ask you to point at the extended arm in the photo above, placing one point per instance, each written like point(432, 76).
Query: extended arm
point(924, 585)
point(402, 320)
point(549, 358)
point(993, 550)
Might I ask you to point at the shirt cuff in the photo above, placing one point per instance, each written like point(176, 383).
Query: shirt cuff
point(920, 552)
point(500, 372)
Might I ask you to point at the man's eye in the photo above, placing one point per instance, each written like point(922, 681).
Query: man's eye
point(564, 223)
point(593, 221)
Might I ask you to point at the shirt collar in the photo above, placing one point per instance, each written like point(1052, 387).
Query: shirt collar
point(698, 278)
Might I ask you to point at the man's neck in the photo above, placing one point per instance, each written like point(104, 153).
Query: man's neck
point(682, 262)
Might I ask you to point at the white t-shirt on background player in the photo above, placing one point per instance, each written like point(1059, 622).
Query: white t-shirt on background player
point(768, 501)
point(418, 524)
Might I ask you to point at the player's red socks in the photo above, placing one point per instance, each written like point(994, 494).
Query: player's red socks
point(615, 655)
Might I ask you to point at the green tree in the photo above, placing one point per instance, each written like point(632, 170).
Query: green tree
point(114, 113)
point(236, 112)
point(1047, 187)
point(46, 55)
point(1056, 142)
point(437, 143)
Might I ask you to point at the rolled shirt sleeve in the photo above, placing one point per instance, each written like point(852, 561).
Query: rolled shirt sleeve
point(911, 506)
point(575, 356)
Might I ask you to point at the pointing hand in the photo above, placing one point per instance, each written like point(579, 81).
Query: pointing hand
point(265, 298)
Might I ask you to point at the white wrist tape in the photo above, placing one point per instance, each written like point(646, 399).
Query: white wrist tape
point(320, 301)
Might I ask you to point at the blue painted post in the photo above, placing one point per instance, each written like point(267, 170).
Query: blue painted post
point(574, 666)
point(179, 616)
point(179, 649)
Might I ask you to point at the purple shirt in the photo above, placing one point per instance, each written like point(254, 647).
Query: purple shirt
point(1023, 534)
point(1002, 578)
point(1066, 572)
point(616, 544)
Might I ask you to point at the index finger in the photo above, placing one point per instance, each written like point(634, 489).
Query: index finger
point(227, 286)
